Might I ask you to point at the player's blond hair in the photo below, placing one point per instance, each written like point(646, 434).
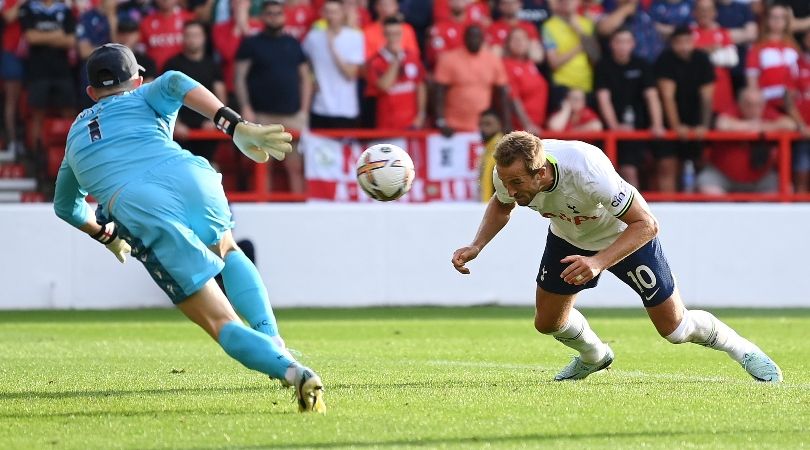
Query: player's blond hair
point(523, 145)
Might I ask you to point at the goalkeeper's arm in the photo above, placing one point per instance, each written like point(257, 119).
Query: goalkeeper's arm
point(70, 205)
point(257, 142)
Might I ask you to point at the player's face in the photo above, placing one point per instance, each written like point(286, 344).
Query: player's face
point(520, 184)
point(489, 125)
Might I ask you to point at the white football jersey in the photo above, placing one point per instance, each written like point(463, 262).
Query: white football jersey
point(586, 199)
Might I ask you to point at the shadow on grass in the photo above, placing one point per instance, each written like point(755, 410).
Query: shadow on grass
point(538, 438)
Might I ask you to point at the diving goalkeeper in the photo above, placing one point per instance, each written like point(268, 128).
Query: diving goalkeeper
point(168, 208)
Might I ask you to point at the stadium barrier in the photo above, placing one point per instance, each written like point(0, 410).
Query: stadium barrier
point(349, 255)
point(608, 141)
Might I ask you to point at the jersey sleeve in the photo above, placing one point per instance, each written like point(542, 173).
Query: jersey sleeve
point(607, 188)
point(165, 95)
point(500, 189)
point(68, 199)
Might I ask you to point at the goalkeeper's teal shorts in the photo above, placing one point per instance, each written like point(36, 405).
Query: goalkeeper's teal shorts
point(170, 217)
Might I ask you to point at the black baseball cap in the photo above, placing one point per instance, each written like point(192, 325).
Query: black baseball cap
point(111, 65)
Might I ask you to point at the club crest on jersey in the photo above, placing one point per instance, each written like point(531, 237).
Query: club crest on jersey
point(572, 208)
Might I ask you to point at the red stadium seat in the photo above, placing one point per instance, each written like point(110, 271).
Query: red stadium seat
point(55, 155)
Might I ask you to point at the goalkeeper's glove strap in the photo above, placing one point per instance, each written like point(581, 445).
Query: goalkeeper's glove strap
point(107, 234)
point(226, 120)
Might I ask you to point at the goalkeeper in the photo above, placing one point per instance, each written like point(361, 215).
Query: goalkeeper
point(168, 208)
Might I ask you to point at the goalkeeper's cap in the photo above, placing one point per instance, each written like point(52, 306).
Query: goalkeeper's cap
point(111, 65)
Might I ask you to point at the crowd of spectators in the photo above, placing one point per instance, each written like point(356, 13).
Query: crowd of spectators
point(455, 65)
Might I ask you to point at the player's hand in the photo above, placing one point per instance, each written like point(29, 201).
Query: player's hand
point(108, 235)
point(119, 248)
point(580, 270)
point(260, 142)
point(462, 256)
point(700, 132)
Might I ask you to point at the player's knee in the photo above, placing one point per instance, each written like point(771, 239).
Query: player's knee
point(546, 326)
point(682, 332)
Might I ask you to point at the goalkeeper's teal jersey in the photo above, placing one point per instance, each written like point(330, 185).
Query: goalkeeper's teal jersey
point(117, 141)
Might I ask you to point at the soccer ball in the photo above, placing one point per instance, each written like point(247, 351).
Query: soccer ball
point(385, 172)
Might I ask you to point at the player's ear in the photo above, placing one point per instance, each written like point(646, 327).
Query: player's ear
point(91, 93)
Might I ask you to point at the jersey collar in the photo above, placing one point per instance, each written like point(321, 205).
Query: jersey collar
point(553, 162)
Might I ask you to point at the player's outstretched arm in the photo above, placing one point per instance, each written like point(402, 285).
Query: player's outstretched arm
point(257, 142)
point(495, 218)
point(70, 205)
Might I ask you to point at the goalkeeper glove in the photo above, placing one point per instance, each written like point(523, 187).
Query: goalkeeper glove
point(109, 237)
point(257, 142)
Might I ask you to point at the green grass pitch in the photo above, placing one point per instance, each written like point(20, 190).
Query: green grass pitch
point(429, 377)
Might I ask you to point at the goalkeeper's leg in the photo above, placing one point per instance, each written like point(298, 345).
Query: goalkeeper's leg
point(246, 290)
point(210, 309)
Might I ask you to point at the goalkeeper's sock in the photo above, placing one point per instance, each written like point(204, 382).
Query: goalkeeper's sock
point(248, 295)
point(577, 334)
point(703, 328)
point(255, 350)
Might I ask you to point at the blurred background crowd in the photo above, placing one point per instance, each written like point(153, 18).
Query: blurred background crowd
point(688, 66)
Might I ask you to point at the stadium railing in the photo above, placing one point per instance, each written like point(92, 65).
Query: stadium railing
point(609, 142)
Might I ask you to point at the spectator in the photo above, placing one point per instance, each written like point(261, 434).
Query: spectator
point(475, 11)
point(536, 12)
point(574, 115)
point(800, 16)
point(737, 18)
point(336, 54)
point(397, 76)
point(93, 30)
point(773, 61)
point(133, 10)
point(419, 15)
point(628, 100)
point(299, 16)
point(801, 149)
point(716, 42)
point(273, 82)
point(491, 133)
point(465, 79)
point(528, 88)
point(373, 33)
point(162, 31)
point(193, 62)
point(447, 34)
point(685, 79)
point(129, 34)
point(11, 71)
point(629, 14)
point(357, 15)
point(49, 29)
point(745, 166)
point(499, 30)
point(592, 9)
point(570, 47)
point(228, 35)
point(670, 14)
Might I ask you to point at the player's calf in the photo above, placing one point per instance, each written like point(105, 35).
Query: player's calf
point(703, 328)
